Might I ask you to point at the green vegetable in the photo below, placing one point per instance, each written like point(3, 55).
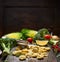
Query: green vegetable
point(53, 42)
point(28, 33)
point(7, 44)
point(41, 33)
point(5, 60)
point(15, 35)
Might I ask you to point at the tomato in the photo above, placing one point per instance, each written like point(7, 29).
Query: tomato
point(29, 40)
point(47, 36)
point(56, 47)
point(59, 49)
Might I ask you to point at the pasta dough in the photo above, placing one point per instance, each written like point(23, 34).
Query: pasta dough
point(22, 57)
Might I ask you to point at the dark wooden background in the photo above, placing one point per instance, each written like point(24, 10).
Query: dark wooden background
point(34, 14)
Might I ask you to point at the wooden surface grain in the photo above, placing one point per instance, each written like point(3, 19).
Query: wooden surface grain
point(51, 58)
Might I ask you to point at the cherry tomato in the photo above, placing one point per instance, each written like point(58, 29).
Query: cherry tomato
point(56, 47)
point(59, 49)
point(29, 40)
point(47, 36)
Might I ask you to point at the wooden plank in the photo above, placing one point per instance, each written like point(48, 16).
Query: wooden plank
point(51, 58)
point(1, 14)
point(41, 3)
point(56, 23)
point(33, 18)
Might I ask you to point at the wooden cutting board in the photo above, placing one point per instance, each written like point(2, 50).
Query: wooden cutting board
point(51, 58)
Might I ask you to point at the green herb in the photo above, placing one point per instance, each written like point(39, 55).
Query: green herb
point(41, 33)
point(7, 44)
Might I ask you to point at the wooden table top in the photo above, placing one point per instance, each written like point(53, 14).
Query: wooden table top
point(51, 58)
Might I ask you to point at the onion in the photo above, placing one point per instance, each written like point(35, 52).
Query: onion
point(55, 37)
point(0, 52)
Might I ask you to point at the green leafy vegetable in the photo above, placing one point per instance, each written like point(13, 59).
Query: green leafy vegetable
point(7, 44)
point(41, 33)
point(15, 35)
point(28, 33)
point(53, 42)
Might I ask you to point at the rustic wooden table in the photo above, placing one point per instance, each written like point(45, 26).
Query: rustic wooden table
point(51, 58)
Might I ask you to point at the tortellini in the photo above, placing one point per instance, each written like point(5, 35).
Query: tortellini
point(22, 57)
point(33, 51)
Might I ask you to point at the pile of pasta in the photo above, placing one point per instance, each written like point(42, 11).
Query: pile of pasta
point(31, 52)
